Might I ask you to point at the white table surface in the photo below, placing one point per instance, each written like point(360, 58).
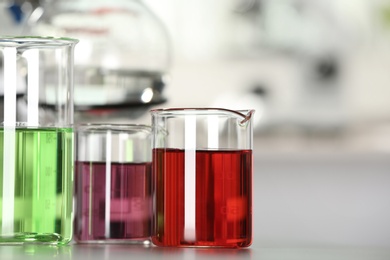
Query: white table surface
point(118, 252)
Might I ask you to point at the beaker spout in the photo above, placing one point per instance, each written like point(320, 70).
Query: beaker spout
point(247, 116)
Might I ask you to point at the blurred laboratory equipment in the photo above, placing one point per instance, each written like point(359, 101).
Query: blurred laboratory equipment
point(14, 15)
point(323, 52)
point(310, 36)
point(123, 57)
point(314, 57)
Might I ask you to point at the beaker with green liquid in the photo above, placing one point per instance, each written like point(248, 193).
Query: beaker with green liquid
point(36, 140)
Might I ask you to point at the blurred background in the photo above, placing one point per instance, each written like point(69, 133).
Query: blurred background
point(315, 71)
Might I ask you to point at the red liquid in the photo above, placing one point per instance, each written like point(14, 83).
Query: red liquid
point(223, 195)
point(130, 212)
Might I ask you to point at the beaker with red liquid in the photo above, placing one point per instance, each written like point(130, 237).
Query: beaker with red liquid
point(113, 184)
point(202, 177)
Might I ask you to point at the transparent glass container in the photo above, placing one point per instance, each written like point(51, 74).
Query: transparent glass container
point(113, 184)
point(122, 59)
point(202, 177)
point(36, 140)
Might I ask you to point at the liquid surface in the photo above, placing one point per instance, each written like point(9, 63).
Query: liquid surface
point(128, 198)
point(221, 212)
point(36, 184)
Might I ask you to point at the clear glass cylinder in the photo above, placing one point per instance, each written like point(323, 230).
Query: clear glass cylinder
point(113, 184)
point(36, 139)
point(202, 177)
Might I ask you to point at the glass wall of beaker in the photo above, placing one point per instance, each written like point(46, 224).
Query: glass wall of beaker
point(36, 139)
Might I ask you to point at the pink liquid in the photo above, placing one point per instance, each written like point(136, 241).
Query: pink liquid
point(223, 198)
point(130, 213)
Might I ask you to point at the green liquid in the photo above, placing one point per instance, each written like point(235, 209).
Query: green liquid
point(39, 165)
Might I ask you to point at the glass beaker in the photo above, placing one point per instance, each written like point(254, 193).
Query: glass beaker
point(113, 183)
point(202, 177)
point(36, 139)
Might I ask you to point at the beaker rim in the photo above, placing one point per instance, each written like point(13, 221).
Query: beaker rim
point(244, 113)
point(17, 41)
point(103, 127)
